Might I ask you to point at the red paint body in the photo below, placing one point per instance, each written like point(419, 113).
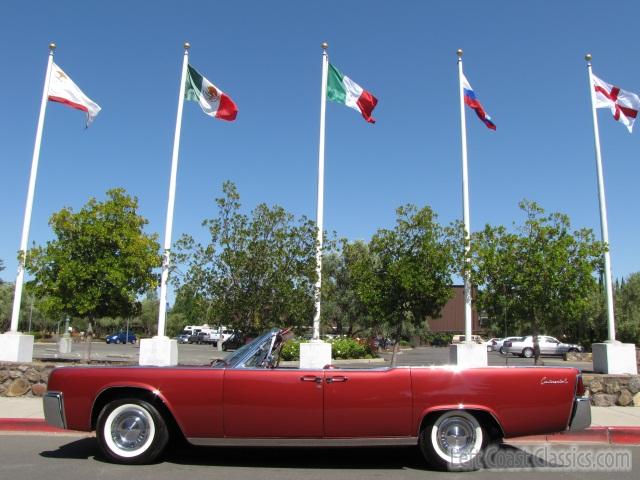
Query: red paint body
point(336, 403)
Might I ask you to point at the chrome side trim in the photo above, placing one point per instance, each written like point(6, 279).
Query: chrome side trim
point(53, 406)
point(303, 442)
point(581, 417)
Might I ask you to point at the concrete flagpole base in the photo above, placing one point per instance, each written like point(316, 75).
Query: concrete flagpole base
point(16, 347)
point(315, 354)
point(159, 351)
point(615, 358)
point(467, 355)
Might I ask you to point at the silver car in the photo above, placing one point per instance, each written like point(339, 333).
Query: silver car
point(548, 346)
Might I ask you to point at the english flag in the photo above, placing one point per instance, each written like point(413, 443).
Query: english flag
point(623, 105)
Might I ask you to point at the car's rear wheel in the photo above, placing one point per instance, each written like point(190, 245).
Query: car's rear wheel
point(453, 440)
point(131, 431)
point(527, 352)
point(502, 352)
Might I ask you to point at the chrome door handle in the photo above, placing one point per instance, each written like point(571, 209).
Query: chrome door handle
point(338, 378)
point(311, 378)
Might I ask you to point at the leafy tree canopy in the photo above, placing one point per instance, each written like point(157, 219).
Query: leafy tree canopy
point(100, 261)
point(540, 277)
point(407, 276)
point(256, 270)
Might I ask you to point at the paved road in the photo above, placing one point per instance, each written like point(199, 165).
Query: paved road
point(203, 354)
point(25, 457)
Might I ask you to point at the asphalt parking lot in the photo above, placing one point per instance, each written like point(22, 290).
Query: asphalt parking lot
point(191, 354)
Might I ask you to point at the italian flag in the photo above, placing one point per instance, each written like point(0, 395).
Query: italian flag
point(213, 101)
point(342, 89)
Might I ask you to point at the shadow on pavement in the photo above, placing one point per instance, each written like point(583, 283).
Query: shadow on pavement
point(78, 449)
point(378, 458)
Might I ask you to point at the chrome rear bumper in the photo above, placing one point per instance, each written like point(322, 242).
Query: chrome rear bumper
point(53, 404)
point(581, 416)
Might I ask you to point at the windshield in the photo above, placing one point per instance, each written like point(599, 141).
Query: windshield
point(232, 359)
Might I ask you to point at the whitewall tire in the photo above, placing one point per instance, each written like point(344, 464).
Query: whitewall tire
point(131, 431)
point(453, 440)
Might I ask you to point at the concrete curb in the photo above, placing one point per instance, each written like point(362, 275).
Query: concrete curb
point(607, 435)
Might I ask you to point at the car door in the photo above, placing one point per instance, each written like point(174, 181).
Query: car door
point(279, 402)
point(548, 345)
point(367, 403)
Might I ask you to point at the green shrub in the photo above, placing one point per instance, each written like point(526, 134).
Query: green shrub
point(341, 348)
point(290, 350)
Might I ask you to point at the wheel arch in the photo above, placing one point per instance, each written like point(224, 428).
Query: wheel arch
point(486, 417)
point(115, 392)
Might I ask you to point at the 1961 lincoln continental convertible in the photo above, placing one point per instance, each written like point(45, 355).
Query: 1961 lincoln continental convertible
point(247, 399)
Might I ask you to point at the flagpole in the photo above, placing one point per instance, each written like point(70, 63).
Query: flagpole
point(604, 227)
point(172, 194)
point(465, 205)
point(320, 211)
point(17, 297)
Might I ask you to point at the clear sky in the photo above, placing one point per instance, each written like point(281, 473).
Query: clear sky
point(525, 61)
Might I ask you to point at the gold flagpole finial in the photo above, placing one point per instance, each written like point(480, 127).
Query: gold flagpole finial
point(52, 46)
point(459, 52)
point(187, 45)
point(324, 45)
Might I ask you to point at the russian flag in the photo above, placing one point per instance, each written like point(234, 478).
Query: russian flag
point(471, 100)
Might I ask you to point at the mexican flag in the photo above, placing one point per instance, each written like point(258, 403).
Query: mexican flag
point(342, 89)
point(213, 101)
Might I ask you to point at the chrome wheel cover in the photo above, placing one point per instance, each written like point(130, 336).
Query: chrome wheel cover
point(457, 437)
point(129, 430)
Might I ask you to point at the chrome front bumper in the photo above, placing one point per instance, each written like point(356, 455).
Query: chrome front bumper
point(581, 416)
point(53, 404)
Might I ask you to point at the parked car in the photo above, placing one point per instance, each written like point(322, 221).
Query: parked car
point(234, 341)
point(448, 413)
point(548, 346)
point(499, 345)
point(183, 337)
point(121, 337)
point(491, 343)
point(461, 338)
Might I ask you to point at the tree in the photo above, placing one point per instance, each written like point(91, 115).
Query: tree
point(256, 271)
point(540, 277)
point(99, 263)
point(407, 277)
point(342, 308)
point(627, 296)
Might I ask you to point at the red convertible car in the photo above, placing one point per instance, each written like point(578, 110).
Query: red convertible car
point(247, 399)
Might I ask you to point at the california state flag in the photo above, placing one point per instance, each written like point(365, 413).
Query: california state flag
point(213, 101)
point(342, 89)
point(63, 90)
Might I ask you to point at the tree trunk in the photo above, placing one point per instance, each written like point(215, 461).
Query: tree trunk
point(396, 346)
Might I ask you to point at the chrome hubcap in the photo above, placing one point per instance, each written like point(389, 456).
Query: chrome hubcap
point(456, 436)
point(130, 429)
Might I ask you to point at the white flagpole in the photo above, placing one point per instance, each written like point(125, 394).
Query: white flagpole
point(172, 195)
point(465, 204)
point(17, 297)
point(604, 227)
point(320, 211)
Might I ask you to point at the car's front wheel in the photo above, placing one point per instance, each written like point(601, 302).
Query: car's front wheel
point(131, 431)
point(453, 440)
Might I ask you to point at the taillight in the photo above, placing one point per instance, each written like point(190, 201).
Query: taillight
point(579, 386)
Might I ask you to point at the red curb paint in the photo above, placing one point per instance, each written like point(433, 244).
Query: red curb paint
point(611, 435)
point(625, 435)
point(28, 425)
